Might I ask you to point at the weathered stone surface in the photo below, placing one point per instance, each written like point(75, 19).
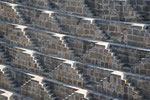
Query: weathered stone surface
point(74, 50)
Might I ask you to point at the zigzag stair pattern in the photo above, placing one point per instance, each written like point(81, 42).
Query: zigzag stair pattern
point(66, 45)
point(128, 83)
point(5, 56)
point(49, 90)
point(81, 75)
point(9, 78)
point(125, 66)
point(105, 36)
point(23, 29)
point(37, 62)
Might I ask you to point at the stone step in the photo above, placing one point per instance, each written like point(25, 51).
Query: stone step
point(9, 78)
point(49, 91)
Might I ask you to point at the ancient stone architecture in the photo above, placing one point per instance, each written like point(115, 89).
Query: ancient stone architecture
point(74, 50)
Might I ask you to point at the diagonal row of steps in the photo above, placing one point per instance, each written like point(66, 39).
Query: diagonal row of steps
point(79, 46)
point(19, 14)
point(81, 75)
point(22, 28)
point(105, 36)
point(10, 79)
point(84, 78)
point(38, 63)
point(64, 41)
point(122, 3)
point(44, 86)
point(115, 57)
point(133, 88)
point(5, 57)
point(32, 41)
point(129, 86)
point(123, 62)
point(137, 14)
point(62, 38)
point(49, 90)
point(103, 33)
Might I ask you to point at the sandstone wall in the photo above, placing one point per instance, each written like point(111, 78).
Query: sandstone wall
point(74, 50)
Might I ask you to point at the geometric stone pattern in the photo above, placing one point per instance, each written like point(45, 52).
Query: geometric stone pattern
point(74, 50)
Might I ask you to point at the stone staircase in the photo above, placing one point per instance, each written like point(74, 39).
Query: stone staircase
point(125, 65)
point(19, 14)
point(33, 42)
point(128, 84)
point(132, 86)
point(25, 34)
point(5, 57)
point(137, 14)
point(65, 42)
point(105, 36)
point(122, 3)
point(88, 46)
point(23, 29)
point(88, 52)
point(122, 64)
point(49, 90)
point(37, 62)
point(85, 79)
point(115, 57)
point(10, 79)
